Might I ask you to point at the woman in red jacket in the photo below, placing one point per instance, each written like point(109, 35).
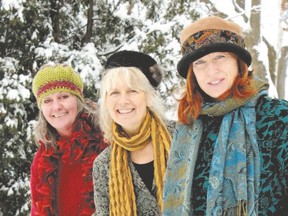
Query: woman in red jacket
point(69, 140)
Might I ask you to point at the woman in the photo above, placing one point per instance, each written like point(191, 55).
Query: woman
point(128, 175)
point(228, 157)
point(69, 140)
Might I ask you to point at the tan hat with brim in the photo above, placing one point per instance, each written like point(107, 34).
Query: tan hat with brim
point(211, 34)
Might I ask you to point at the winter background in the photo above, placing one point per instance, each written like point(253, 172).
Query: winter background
point(84, 33)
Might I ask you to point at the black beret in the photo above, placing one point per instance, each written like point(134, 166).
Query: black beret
point(142, 61)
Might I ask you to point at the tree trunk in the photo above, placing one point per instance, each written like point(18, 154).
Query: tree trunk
point(283, 60)
point(54, 14)
point(88, 35)
point(253, 39)
point(282, 69)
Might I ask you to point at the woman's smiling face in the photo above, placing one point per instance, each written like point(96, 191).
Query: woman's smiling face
point(127, 107)
point(60, 110)
point(216, 72)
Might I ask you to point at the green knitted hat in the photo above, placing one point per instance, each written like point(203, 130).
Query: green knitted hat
point(56, 78)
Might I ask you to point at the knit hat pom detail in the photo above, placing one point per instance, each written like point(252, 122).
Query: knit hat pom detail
point(52, 79)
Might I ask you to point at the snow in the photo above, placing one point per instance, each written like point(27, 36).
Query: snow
point(17, 4)
point(86, 61)
point(81, 59)
point(270, 14)
point(12, 123)
point(13, 95)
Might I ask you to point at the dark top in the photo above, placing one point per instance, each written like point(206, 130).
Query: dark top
point(146, 172)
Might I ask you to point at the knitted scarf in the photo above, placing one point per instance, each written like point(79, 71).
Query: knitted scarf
point(234, 176)
point(121, 189)
point(85, 144)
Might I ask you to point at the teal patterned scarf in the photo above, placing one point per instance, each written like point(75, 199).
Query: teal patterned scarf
point(235, 168)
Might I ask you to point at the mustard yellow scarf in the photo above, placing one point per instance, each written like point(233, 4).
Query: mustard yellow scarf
point(121, 189)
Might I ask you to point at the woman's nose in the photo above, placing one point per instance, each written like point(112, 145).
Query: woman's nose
point(212, 67)
point(123, 98)
point(57, 105)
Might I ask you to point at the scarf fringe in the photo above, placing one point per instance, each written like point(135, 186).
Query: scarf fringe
point(241, 209)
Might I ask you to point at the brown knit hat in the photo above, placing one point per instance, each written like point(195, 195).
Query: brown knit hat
point(207, 35)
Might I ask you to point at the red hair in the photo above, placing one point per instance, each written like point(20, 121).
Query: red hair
point(190, 104)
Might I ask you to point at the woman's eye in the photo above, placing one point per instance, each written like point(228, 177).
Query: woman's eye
point(132, 91)
point(114, 93)
point(46, 101)
point(63, 97)
point(220, 57)
point(199, 62)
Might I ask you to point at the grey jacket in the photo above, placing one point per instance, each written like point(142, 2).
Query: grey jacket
point(146, 202)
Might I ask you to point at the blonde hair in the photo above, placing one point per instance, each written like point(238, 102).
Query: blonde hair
point(44, 132)
point(133, 78)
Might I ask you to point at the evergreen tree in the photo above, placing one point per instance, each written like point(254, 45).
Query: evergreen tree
point(83, 34)
point(80, 33)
